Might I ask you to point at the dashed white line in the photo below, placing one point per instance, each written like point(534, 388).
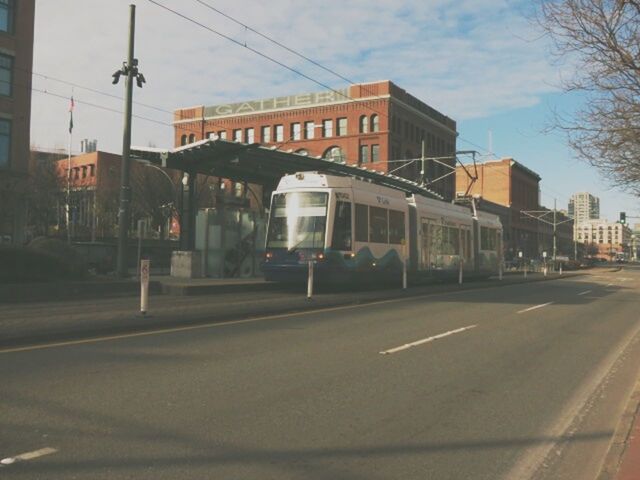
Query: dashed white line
point(426, 340)
point(28, 456)
point(535, 307)
point(585, 292)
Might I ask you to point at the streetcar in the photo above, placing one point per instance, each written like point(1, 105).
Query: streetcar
point(353, 229)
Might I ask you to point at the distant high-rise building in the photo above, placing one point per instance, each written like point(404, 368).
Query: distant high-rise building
point(584, 207)
point(88, 146)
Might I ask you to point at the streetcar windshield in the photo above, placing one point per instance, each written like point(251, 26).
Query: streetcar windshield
point(298, 220)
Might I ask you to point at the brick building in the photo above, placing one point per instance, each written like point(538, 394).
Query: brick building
point(16, 60)
point(375, 125)
point(510, 184)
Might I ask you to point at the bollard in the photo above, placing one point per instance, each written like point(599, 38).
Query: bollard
point(404, 275)
point(310, 280)
point(144, 286)
point(525, 270)
point(560, 269)
point(460, 267)
point(544, 270)
point(500, 271)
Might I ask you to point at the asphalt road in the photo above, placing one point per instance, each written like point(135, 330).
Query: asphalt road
point(515, 382)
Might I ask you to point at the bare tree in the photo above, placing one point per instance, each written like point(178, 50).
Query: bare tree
point(154, 196)
point(44, 195)
point(603, 38)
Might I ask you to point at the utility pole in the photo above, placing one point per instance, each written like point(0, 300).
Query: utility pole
point(555, 224)
point(130, 71)
point(540, 214)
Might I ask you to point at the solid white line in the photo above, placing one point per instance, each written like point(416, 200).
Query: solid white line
point(28, 456)
point(585, 292)
point(426, 340)
point(533, 308)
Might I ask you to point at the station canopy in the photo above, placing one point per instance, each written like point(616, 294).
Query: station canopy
point(254, 163)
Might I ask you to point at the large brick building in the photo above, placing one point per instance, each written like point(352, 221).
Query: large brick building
point(375, 125)
point(508, 183)
point(16, 60)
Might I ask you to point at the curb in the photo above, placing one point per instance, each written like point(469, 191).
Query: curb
point(620, 441)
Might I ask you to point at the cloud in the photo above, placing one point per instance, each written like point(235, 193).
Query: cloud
point(466, 58)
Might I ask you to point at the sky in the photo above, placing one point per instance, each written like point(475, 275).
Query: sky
point(480, 62)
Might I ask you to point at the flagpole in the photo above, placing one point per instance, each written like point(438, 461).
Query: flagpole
point(68, 213)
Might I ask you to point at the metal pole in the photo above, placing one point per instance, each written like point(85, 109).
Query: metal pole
point(525, 270)
point(140, 227)
point(125, 189)
point(404, 274)
point(554, 233)
point(310, 280)
point(460, 267)
point(69, 192)
point(145, 266)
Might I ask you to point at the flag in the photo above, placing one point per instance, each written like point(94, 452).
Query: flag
point(71, 105)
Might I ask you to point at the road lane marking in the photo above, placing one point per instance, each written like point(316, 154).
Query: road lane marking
point(585, 292)
point(28, 456)
point(535, 307)
point(426, 340)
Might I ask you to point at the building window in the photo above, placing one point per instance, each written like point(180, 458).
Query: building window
point(334, 153)
point(7, 12)
point(5, 143)
point(375, 153)
point(237, 134)
point(327, 128)
point(375, 123)
point(249, 135)
point(364, 124)
point(192, 138)
point(342, 127)
point(302, 151)
point(84, 172)
point(279, 133)
point(364, 154)
point(309, 128)
point(6, 75)
point(183, 140)
point(212, 135)
point(265, 134)
point(222, 134)
point(296, 131)
point(92, 170)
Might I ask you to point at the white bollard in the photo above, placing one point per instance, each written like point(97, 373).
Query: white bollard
point(560, 269)
point(404, 275)
point(144, 286)
point(460, 267)
point(310, 280)
point(544, 270)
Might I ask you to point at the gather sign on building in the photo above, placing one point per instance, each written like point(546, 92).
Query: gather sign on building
point(277, 103)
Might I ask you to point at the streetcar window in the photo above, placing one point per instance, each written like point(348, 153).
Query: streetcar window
point(488, 238)
point(396, 227)
point(362, 223)
point(298, 220)
point(378, 225)
point(342, 227)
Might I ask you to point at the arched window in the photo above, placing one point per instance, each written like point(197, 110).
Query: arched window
point(364, 124)
point(302, 151)
point(334, 153)
point(192, 138)
point(183, 140)
point(375, 123)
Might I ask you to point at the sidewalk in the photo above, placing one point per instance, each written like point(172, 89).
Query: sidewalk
point(623, 459)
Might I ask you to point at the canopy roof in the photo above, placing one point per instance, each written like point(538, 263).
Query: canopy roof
point(254, 163)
